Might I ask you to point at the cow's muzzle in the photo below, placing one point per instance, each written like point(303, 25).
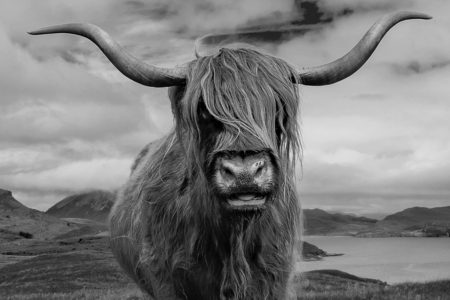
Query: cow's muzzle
point(244, 180)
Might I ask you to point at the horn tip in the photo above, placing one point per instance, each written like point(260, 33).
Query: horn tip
point(417, 15)
point(426, 17)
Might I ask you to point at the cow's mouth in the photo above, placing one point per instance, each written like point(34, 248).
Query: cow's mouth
point(246, 201)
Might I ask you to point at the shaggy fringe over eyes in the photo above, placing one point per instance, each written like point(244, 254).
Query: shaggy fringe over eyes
point(252, 95)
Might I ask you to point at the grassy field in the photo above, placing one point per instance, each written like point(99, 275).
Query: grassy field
point(85, 269)
point(83, 274)
point(330, 284)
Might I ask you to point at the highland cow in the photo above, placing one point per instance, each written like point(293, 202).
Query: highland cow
point(210, 211)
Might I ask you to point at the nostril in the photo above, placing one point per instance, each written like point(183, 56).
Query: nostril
point(259, 167)
point(227, 171)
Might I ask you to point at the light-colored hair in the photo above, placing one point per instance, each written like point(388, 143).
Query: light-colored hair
point(251, 94)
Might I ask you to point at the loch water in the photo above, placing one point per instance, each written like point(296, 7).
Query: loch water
point(392, 260)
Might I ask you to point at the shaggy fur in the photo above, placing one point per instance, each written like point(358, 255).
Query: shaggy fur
point(169, 231)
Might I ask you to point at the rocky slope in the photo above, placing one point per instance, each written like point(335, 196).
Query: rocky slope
point(94, 205)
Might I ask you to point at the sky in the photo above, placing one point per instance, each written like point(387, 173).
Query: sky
point(375, 143)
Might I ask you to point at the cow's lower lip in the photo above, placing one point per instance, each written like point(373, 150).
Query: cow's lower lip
point(242, 201)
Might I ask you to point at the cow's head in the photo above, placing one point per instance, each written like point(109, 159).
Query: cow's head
point(236, 110)
point(237, 119)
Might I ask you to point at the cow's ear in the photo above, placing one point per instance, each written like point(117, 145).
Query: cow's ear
point(176, 93)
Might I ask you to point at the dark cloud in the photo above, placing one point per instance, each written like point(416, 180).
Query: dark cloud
point(349, 7)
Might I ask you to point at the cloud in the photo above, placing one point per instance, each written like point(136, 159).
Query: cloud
point(74, 176)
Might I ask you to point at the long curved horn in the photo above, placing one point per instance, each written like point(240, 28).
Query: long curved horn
point(127, 64)
point(353, 60)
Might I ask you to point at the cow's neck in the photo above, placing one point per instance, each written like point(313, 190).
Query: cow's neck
point(233, 253)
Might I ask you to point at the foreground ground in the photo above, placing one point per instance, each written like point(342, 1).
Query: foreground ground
point(85, 269)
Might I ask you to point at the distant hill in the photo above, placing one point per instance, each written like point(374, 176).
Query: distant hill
point(18, 221)
point(94, 205)
point(414, 221)
point(320, 222)
point(420, 215)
